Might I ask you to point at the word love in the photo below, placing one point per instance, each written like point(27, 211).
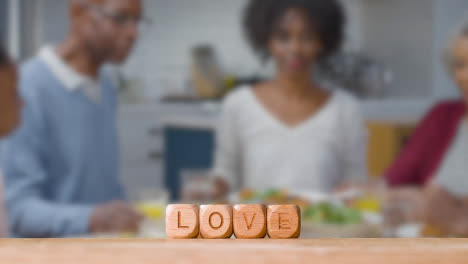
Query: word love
point(242, 220)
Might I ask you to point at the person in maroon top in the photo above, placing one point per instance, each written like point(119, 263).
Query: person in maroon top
point(422, 156)
point(429, 174)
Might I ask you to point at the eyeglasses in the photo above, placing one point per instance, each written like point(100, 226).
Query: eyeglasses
point(119, 18)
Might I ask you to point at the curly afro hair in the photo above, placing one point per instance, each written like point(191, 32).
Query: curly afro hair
point(261, 18)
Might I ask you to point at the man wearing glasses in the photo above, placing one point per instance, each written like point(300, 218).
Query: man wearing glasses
point(61, 163)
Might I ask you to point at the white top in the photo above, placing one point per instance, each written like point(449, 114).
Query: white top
point(452, 174)
point(71, 79)
point(256, 150)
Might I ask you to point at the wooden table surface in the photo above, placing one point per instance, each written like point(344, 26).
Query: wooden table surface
point(142, 251)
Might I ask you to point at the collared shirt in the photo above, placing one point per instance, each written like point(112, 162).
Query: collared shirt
point(71, 79)
point(62, 160)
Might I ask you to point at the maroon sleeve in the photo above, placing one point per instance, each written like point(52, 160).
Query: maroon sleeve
point(409, 167)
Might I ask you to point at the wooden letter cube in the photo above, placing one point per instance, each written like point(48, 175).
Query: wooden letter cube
point(216, 221)
point(283, 221)
point(182, 221)
point(249, 220)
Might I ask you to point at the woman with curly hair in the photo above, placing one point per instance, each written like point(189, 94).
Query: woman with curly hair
point(291, 132)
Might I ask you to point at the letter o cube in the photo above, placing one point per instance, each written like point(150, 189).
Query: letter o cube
point(216, 221)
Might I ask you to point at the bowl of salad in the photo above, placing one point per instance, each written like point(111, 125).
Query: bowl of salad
point(323, 216)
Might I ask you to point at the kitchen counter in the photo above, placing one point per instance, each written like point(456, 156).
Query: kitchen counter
point(330, 251)
point(205, 115)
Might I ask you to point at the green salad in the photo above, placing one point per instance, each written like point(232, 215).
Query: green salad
point(329, 213)
point(268, 194)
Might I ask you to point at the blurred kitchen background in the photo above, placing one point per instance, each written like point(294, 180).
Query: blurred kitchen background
point(191, 52)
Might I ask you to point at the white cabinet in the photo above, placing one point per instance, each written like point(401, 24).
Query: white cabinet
point(141, 147)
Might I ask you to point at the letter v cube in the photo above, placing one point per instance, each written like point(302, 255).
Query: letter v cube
point(249, 220)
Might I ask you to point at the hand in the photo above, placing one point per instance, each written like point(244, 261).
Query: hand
point(407, 204)
point(220, 188)
point(217, 190)
point(114, 216)
point(445, 211)
point(373, 186)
